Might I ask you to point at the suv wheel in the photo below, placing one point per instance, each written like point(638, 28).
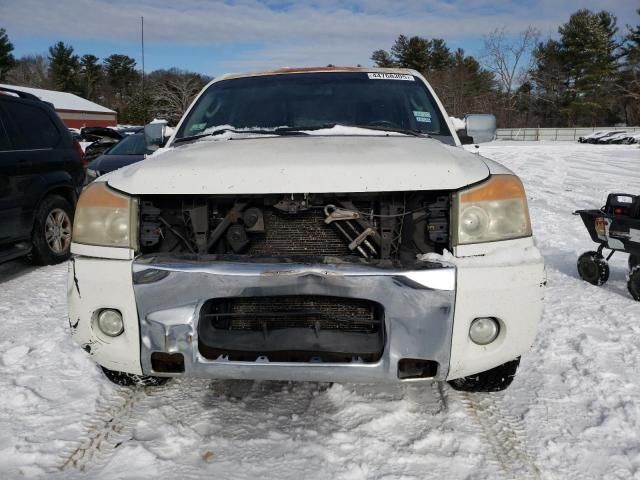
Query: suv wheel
point(494, 380)
point(593, 268)
point(51, 235)
point(633, 284)
point(131, 379)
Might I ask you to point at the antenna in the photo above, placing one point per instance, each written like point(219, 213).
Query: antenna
point(144, 103)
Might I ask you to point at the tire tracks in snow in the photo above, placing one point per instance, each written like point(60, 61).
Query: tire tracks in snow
point(505, 434)
point(104, 431)
point(115, 417)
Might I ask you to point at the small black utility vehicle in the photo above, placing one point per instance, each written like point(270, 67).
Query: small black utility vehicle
point(616, 226)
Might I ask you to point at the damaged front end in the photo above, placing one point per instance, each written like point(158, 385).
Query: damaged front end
point(294, 280)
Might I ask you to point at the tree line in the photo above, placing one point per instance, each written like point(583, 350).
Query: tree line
point(588, 76)
point(114, 82)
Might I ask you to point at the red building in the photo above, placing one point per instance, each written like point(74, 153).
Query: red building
point(75, 111)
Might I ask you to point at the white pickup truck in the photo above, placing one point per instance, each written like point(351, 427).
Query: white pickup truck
point(317, 224)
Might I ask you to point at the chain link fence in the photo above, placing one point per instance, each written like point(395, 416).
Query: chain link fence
point(555, 134)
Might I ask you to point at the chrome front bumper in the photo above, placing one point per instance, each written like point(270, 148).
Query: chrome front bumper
point(418, 302)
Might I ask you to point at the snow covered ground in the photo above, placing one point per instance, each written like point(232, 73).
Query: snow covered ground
point(572, 412)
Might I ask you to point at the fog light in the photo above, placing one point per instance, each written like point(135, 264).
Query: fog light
point(110, 322)
point(484, 330)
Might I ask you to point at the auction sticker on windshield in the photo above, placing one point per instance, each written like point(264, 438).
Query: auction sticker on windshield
point(391, 76)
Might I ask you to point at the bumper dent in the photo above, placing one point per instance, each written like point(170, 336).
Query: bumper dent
point(418, 302)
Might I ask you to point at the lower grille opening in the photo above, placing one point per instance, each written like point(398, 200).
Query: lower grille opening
point(292, 328)
point(167, 362)
point(410, 368)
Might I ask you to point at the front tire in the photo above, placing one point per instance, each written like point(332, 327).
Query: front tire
point(494, 380)
point(634, 261)
point(51, 236)
point(593, 268)
point(633, 284)
point(131, 379)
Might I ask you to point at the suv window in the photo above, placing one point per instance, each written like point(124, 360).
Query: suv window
point(29, 126)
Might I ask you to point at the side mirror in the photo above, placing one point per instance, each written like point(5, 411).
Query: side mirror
point(155, 136)
point(481, 127)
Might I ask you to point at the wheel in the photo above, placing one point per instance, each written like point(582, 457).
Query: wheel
point(593, 268)
point(634, 261)
point(131, 379)
point(633, 284)
point(494, 380)
point(51, 236)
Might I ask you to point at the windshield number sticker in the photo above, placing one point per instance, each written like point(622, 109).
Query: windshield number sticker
point(424, 117)
point(391, 76)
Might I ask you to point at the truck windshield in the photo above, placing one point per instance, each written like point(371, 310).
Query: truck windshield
point(308, 101)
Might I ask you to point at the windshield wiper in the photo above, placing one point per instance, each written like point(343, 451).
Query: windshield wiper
point(281, 131)
point(406, 131)
point(288, 131)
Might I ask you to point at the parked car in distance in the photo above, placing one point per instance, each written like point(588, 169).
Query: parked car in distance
point(612, 137)
point(130, 149)
point(42, 170)
point(591, 138)
point(103, 138)
point(313, 224)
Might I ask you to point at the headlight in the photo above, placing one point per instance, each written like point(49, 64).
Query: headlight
point(495, 210)
point(105, 217)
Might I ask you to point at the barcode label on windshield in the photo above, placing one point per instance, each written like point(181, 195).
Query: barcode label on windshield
point(391, 76)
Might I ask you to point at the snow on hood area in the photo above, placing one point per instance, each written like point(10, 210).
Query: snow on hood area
point(573, 411)
point(302, 164)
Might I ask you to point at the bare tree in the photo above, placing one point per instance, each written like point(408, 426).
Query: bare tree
point(505, 56)
point(31, 71)
point(173, 94)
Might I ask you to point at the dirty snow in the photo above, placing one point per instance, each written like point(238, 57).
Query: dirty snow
point(572, 412)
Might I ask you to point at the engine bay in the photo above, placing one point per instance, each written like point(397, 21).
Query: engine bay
point(371, 226)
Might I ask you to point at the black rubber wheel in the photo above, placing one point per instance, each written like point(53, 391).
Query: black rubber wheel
point(593, 268)
point(633, 284)
point(51, 235)
point(494, 380)
point(131, 379)
point(634, 261)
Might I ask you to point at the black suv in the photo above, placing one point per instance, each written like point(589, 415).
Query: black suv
point(42, 170)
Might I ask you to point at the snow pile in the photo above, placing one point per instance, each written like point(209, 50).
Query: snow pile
point(458, 124)
point(344, 130)
point(502, 257)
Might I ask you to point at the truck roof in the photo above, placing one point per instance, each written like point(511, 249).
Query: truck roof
point(287, 70)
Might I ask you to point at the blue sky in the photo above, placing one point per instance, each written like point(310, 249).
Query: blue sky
point(213, 37)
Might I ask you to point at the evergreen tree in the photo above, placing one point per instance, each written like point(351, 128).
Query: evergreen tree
point(383, 59)
point(63, 67)
point(411, 53)
point(417, 53)
point(439, 55)
point(121, 73)
point(6, 58)
point(589, 54)
point(462, 84)
point(629, 82)
point(548, 82)
point(90, 71)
